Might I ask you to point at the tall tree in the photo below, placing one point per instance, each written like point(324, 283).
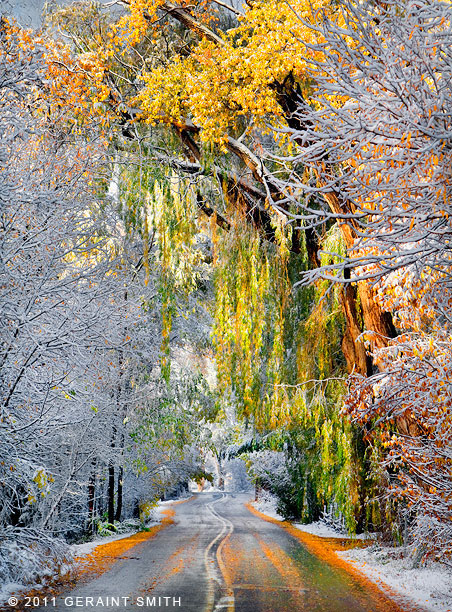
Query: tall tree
point(381, 113)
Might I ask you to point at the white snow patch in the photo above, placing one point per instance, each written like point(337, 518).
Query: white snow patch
point(318, 528)
point(323, 530)
point(162, 505)
point(81, 550)
point(429, 586)
point(266, 503)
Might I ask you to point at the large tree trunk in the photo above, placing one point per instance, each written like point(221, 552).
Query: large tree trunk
point(375, 319)
point(356, 357)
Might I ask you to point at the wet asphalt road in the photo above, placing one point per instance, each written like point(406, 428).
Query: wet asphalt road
point(217, 556)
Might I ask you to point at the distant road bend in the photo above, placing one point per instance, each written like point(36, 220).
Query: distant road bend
point(217, 556)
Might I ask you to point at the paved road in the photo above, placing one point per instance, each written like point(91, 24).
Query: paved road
point(218, 557)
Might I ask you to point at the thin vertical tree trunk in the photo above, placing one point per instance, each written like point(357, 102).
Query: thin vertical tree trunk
point(92, 496)
point(119, 494)
point(111, 482)
point(111, 493)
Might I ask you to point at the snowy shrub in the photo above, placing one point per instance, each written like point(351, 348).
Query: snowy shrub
point(270, 471)
point(127, 526)
point(104, 528)
point(430, 538)
point(284, 475)
point(148, 511)
point(267, 503)
point(332, 517)
point(268, 467)
point(28, 557)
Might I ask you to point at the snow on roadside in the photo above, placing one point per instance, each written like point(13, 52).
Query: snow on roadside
point(82, 550)
point(162, 505)
point(430, 586)
point(321, 529)
point(9, 589)
point(267, 505)
point(76, 551)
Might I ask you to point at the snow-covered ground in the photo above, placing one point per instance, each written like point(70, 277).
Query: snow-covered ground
point(429, 586)
point(267, 505)
point(76, 551)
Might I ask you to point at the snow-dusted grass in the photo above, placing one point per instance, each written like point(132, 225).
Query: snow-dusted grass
point(429, 586)
point(267, 504)
point(321, 529)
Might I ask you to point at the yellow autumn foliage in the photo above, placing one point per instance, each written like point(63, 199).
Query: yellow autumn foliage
point(217, 85)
